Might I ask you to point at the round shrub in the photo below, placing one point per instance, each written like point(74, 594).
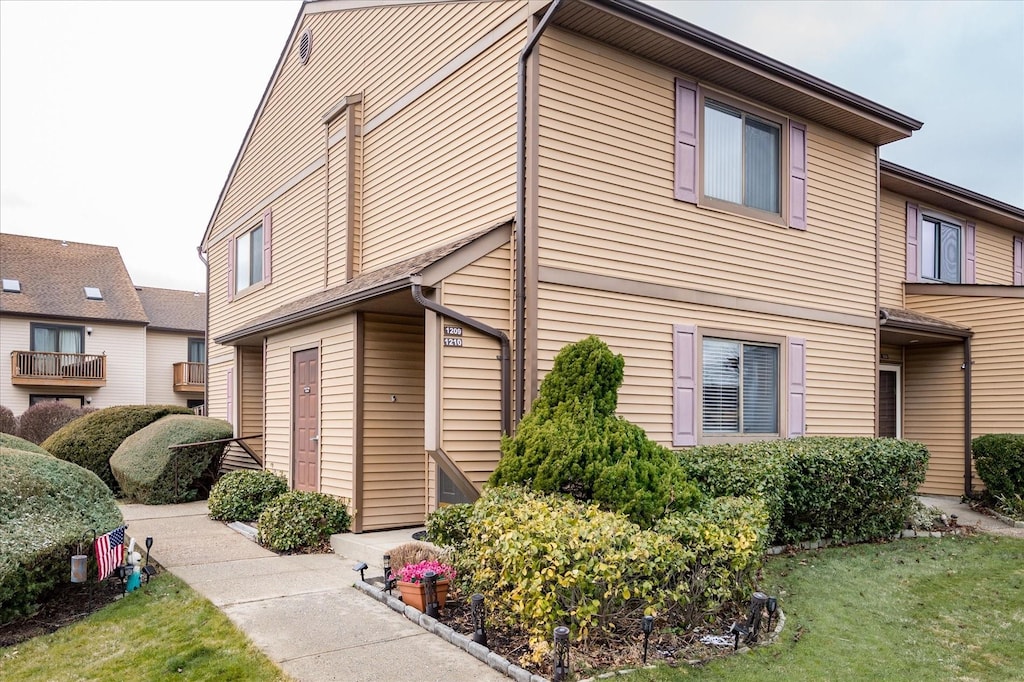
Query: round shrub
point(999, 459)
point(91, 441)
point(8, 422)
point(10, 442)
point(150, 472)
point(302, 521)
point(41, 420)
point(47, 507)
point(243, 495)
point(448, 526)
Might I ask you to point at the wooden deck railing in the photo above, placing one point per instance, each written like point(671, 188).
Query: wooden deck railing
point(39, 368)
point(189, 376)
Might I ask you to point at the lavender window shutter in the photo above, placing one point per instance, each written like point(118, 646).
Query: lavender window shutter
point(684, 385)
point(1018, 261)
point(230, 395)
point(969, 251)
point(267, 246)
point(686, 141)
point(796, 386)
point(913, 240)
point(797, 176)
point(231, 269)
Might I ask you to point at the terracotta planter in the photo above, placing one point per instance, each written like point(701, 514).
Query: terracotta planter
point(415, 595)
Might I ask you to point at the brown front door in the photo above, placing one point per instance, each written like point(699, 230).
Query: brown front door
point(305, 430)
point(889, 403)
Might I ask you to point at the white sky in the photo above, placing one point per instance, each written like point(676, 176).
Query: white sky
point(119, 121)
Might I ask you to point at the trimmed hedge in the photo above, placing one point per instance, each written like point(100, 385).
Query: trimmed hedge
point(90, 442)
point(999, 459)
point(243, 495)
point(300, 521)
point(819, 487)
point(8, 422)
point(149, 472)
point(47, 507)
point(43, 419)
point(9, 442)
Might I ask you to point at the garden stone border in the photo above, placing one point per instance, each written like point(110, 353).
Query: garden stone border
point(497, 662)
point(1011, 522)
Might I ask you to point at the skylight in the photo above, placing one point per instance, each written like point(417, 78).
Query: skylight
point(93, 294)
point(11, 286)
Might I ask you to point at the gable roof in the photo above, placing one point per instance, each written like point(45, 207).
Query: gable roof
point(53, 276)
point(174, 309)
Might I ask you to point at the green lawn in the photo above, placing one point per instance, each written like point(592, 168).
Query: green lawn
point(915, 610)
point(163, 631)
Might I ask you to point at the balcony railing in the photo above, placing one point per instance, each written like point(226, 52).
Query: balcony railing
point(190, 377)
point(38, 368)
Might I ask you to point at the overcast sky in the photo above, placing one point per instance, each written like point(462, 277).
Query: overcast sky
point(119, 121)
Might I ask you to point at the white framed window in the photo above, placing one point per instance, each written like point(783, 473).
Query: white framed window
point(742, 158)
point(249, 258)
point(941, 250)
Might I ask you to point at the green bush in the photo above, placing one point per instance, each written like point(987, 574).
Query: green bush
point(91, 441)
point(41, 420)
point(300, 520)
point(243, 495)
point(7, 441)
point(572, 442)
point(8, 422)
point(47, 507)
point(150, 472)
point(448, 526)
point(821, 487)
point(999, 459)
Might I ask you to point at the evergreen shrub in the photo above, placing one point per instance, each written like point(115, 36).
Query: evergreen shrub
point(302, 521)
point(999, 459)
point(243, 495)
point(9, 442)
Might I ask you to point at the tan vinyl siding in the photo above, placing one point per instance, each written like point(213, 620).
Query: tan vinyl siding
point(163, 349)
point(994, 254)
point(890, 355)
point(606, 200)
point(393, 459)
point(933, 414)
point(335, 340)
point(471, 375)
point(892, 266)
point(250, 403)
point(337, 206)
point(840, 359)
point(216, 386)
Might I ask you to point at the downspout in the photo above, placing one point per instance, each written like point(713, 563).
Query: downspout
point(417, 295)
point(967, 418)
point(520, 254)
point(206, 342)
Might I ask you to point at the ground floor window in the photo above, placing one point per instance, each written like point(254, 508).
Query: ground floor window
point(739, 387)
point(73, 400)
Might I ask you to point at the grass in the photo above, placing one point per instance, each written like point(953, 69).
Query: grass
point(915, 610)
point(163, 631)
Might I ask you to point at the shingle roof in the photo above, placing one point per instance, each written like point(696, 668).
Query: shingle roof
point(173, 309)
point(908, 319)
point(53, 276)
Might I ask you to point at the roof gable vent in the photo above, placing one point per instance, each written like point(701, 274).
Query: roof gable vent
point(11, 286)
point(305, 45)
point(93, 294)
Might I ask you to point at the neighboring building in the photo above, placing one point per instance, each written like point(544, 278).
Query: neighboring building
point(75, 328)
point(951, 290)
point(390, 280)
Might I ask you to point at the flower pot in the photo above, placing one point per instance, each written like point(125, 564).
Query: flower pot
point(415, 595)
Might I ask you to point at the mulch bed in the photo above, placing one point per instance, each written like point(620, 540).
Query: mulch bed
point(68, 604)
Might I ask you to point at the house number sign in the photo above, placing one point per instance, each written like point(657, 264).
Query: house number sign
point(453, 336)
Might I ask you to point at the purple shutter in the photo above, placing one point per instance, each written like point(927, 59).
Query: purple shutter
point(797, 175)
point(267, 244)
point(229, 394)
point(684, 385)
point(686, 141)
point(913, 240)
point(231, 269)
point(969, 250)
point(797, 387)
point(1018, 261)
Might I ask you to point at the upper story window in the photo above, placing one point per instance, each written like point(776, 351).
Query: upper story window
point(249, 257)
point(940, 250)
point(57, 338)
point(730, 156)
point(196, 350)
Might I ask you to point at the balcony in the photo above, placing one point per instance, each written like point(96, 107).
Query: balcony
point(69, 370)
point(190, 377)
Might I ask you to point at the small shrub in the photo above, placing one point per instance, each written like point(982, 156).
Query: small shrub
point(8, 422)
point(243, 495)
point(413, 552)
point(91, 441)
point(47, 507)
point(999, 459)
point(300, 520)
point(448, 526)
point(150, 472)
point(10, 442)
point(40, 421)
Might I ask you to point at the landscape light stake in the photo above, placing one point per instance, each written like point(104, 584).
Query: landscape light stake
point(561, 654)
point(361, 567)
point(476, 606)
point(772, 606)
point(647, 623)
point(430, 593)
point(389, 579)
point(757, 603)
point(147, 569)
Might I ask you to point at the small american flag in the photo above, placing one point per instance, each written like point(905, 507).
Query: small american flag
point(110, 551)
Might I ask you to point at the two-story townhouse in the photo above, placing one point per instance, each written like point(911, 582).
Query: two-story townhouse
point(433, 198)
point(74, 327)
point(951, 291)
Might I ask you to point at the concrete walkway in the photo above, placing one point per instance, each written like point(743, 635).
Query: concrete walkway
point(301, 610)
point(968, 517)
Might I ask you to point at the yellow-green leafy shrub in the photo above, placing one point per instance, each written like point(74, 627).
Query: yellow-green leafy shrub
point(448, 526)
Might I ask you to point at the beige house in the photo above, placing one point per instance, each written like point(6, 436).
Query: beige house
point(73, 327)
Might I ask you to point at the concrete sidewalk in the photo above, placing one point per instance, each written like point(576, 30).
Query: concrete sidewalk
point(301, 610)
point(968, 517)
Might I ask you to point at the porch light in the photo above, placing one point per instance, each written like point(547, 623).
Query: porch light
point(430, 594)
point(647, 625)
point(476, 607)
point(561, 654)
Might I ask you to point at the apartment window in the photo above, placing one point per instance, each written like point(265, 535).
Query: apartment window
point(196, 350)
point(249, 257)
point(741, 158)
point(72, 400)
point(939, 248)
point(739, 388)
point(57, 338)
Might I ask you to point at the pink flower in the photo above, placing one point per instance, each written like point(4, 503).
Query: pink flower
point(413, 573)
